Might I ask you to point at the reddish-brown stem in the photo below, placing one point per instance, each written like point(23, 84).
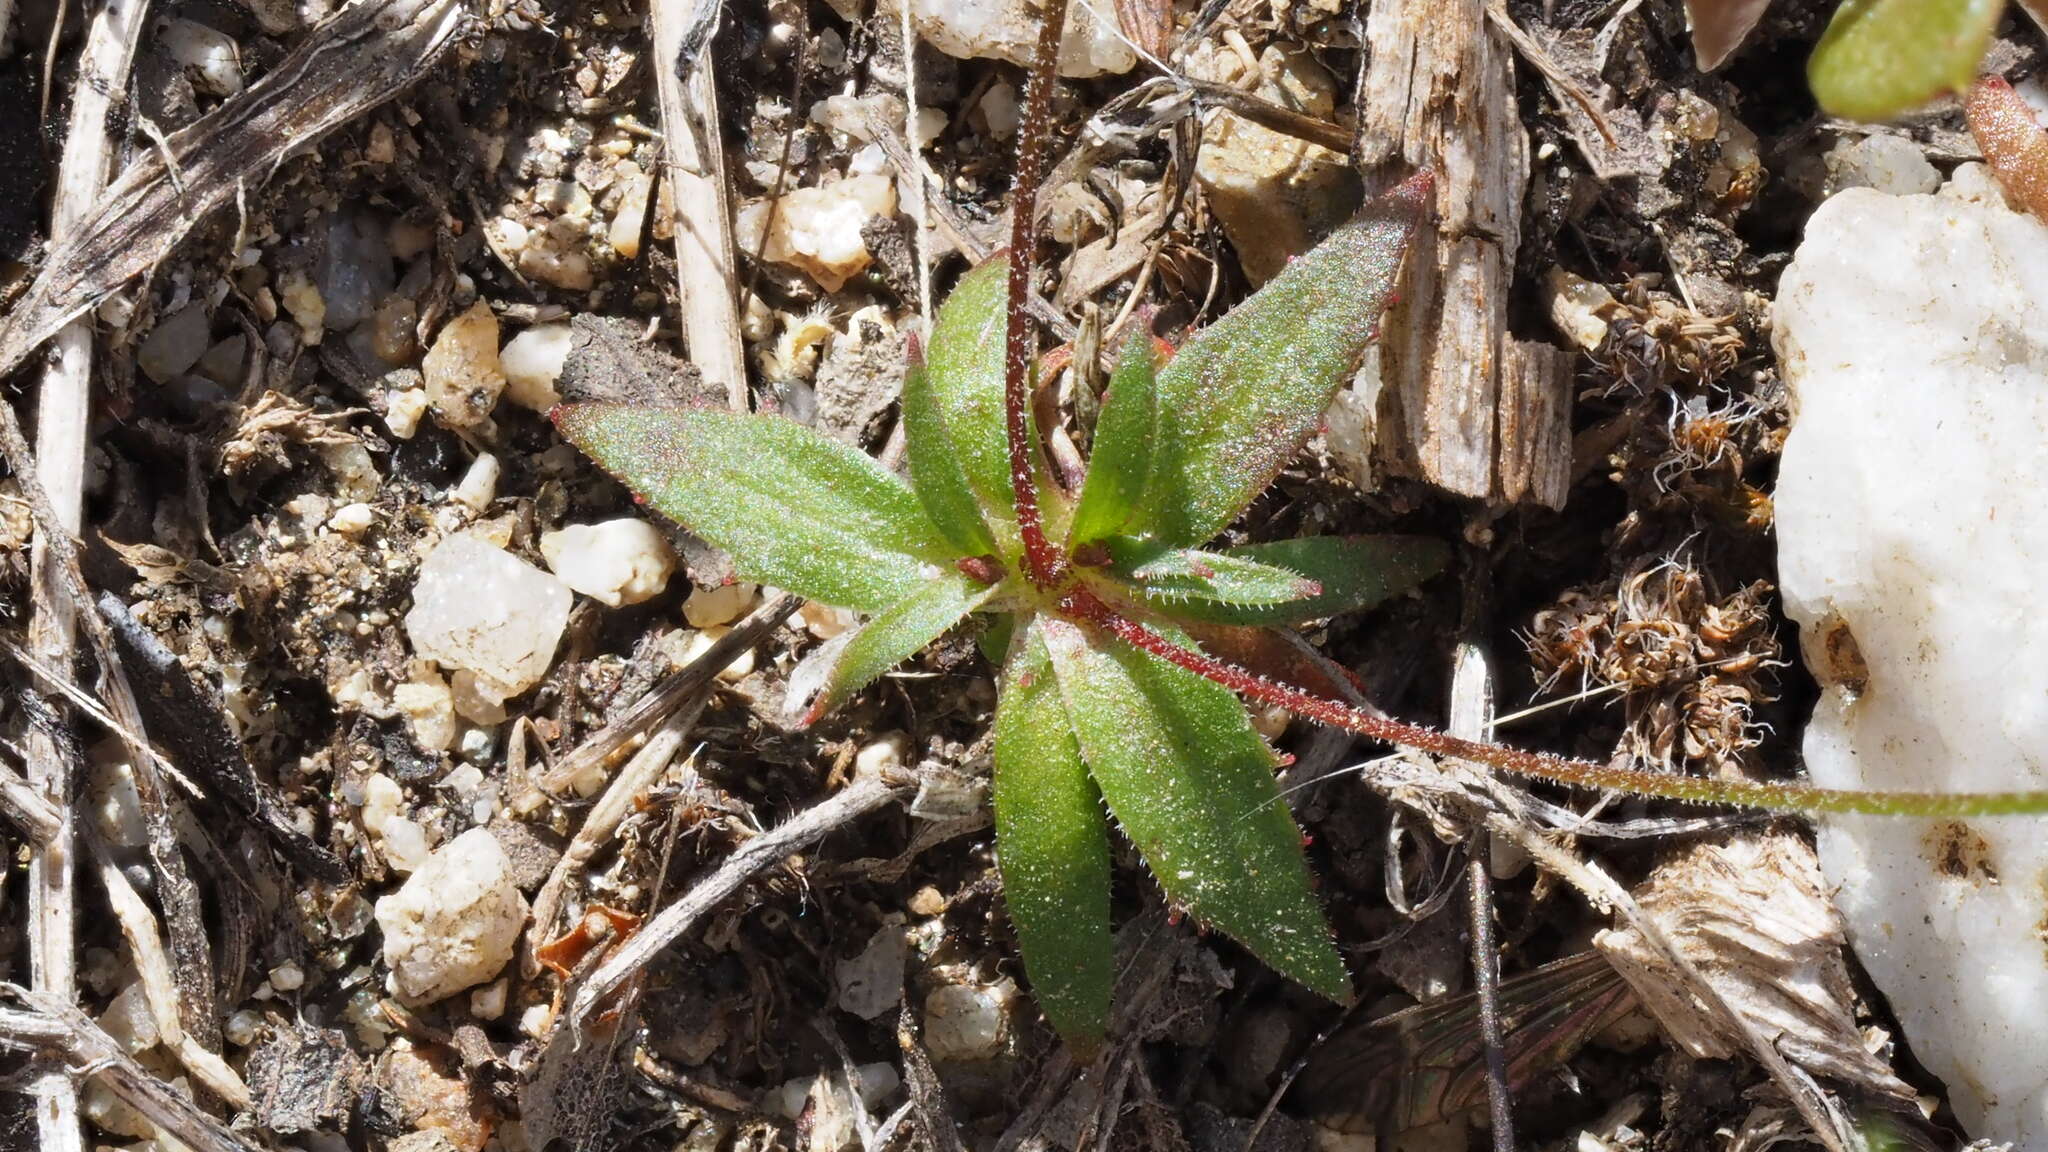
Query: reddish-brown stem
point(1045, 564)
point(1084, 607)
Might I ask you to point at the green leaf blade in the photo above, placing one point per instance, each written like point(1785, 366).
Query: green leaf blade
point(1122, 455)
point(896, 634)
point(791, 507)
point(1244, 394)
point(1053, 849)
point(1879, 59)
point(1175, 576)
point(936, 474)
point(1180, 766)
point(964, 370)
point(1354, 572)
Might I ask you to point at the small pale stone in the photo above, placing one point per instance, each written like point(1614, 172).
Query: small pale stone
point(554, 256)
point(287, 977)
point(532, 362)
point(825, 621)
point(352, 519)
point(967, 1022)
point(210, 54)
point(129, 1021)
point(240, 1028)
point(721, 605)
point(1889, 164)
point(403, 409)
point(455, 923)
point(479, 484)
point(819, 229)
point(631, 218)
point(383, 797)
point(404, 845)
point(463, 372)
point(618, 562)
point(301, 298)
point(872, 982)
point(488, 1002)
point(429, 710)
point(480, 608)
point(884, 755)
point(700, 643)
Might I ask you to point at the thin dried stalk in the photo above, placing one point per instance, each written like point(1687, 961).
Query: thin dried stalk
point(1471, 717)
point(49, 1025)
point(705, 280)
point(160, 988)
point(606, 815)
point(867, 793)
point(362, 57)
point(63, 412)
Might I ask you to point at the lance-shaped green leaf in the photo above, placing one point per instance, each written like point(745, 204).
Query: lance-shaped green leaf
point(1192, 784)
point(1174, 576)
point(791, 507)
point(964, 369)
point(896, 634)
point(1052, 845)
point(1241, 397)
point(1354, 572)
point(1879, 59)
point(1123, 445)
point(936, 474)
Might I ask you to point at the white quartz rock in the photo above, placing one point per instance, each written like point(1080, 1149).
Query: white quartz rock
point(1912, 538)
point(623, 561)
point(481, 609)
point(455, 922)
point(1008, 30)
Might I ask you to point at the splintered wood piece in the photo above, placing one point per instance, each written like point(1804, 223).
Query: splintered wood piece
point(1459, 399)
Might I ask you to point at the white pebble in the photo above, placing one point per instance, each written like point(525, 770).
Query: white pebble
point(129, 1021)
point(532, 362)
point(480, 608)
point(488, 1002)
point(455, 923)
point(240, 1028)
point(721, 605)
point(479, 484)
point(618, 562)
point(463, 372)
point(404, 845)
point(352, 519)
point(287, 977)
point(429, 709)
point(700, 643)
point(818, 229)
point(403, 409)
point(211, 54)
point(967, 1022)
point(382, 798)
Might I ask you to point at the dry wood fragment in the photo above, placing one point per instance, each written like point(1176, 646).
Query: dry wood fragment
point(1459, 396)
point(705, 282)
point(63, 414)
point(36, 1022)
point(355, 61)
point(25, 807)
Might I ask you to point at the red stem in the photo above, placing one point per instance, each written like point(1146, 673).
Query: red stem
point(1082, 606)
point(1045, 564)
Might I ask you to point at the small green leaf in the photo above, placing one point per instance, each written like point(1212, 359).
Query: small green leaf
point(1175, 576)
point(1123, 445)
point(1879, 59)
point(1242, 396)
point(896, 634)
point(1355, 572)
point(935, 472)
point(1052, 846)
point(994, 640)
point(964, 369)
point(793, 508)
point(1192, 784)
